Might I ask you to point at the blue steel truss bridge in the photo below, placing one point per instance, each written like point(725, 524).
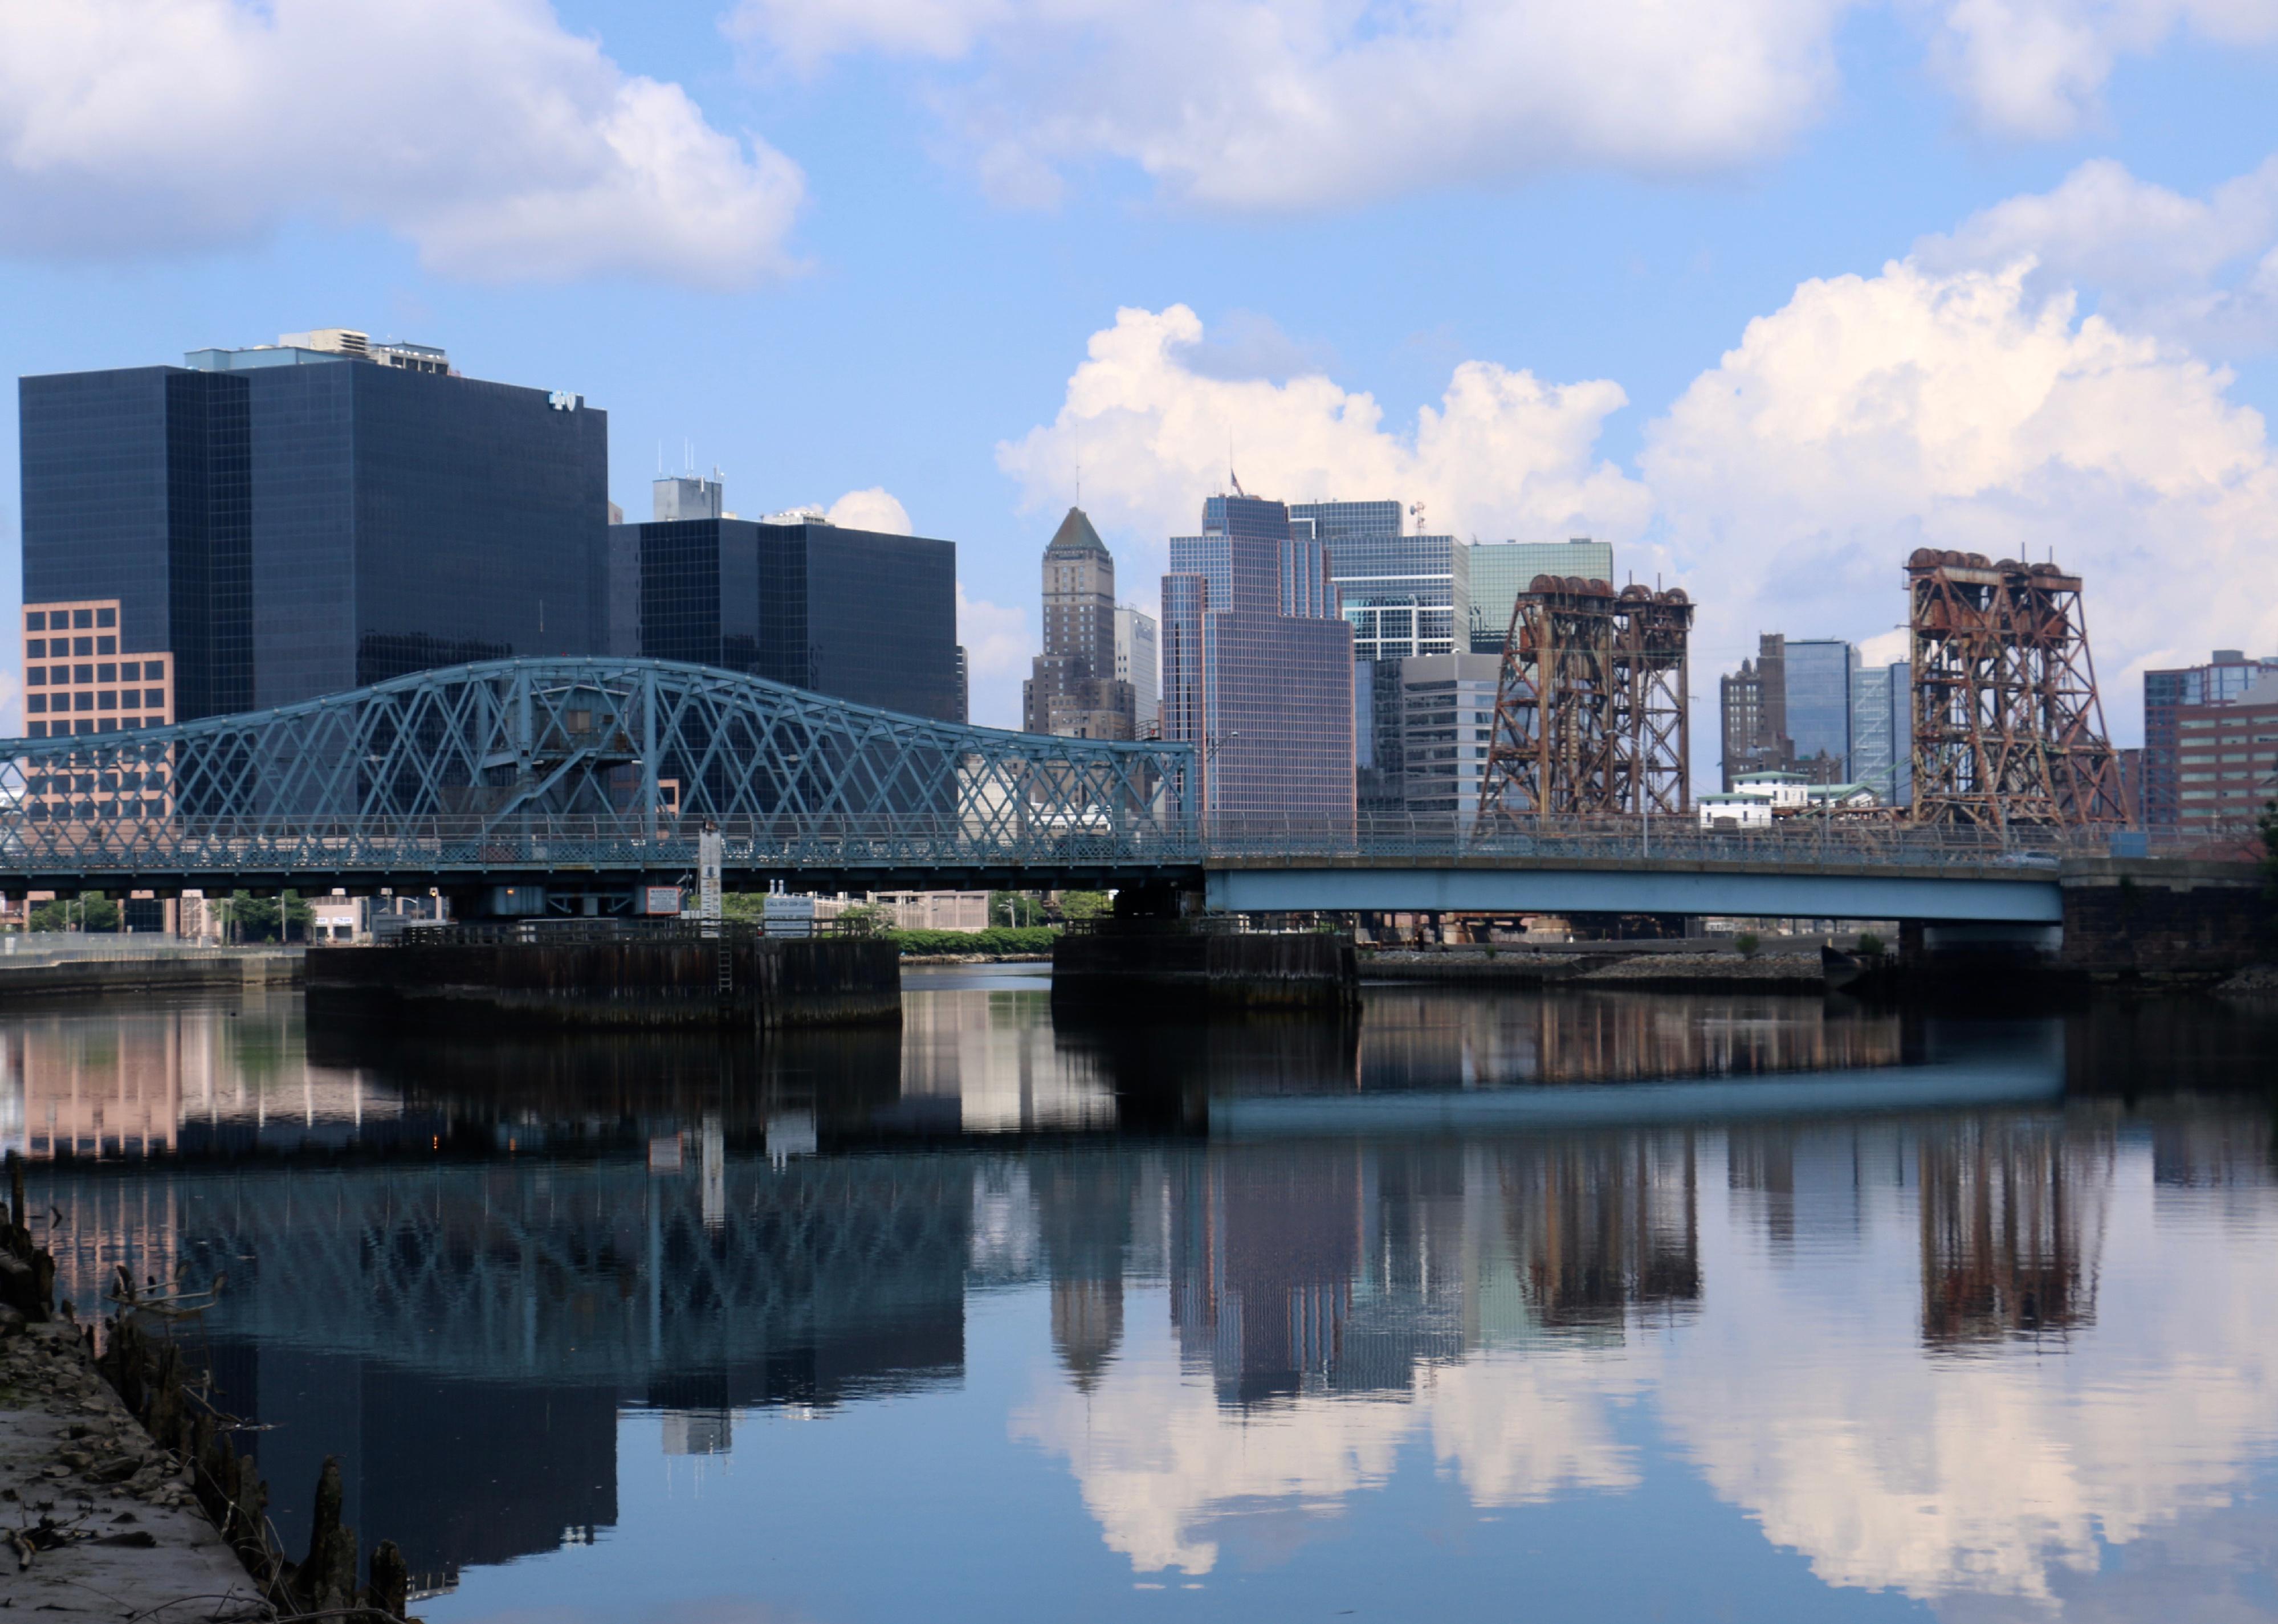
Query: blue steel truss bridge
point(573, 783)
point(586, 778)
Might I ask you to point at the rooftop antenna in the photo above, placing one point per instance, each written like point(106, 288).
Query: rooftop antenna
point(1416, 512)
point(1232, 476)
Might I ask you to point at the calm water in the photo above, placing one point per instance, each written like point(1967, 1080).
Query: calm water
point(1606, 1307)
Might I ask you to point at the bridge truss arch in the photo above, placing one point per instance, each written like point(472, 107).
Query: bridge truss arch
point(507, 770)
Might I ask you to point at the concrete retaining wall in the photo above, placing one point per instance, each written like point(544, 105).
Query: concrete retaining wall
point(142, 972)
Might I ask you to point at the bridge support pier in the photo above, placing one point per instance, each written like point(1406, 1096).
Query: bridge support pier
point(1156, 967)
point(737, 979)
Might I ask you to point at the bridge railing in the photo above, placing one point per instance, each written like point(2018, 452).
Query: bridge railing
point(557, 842)
point(1798, 842)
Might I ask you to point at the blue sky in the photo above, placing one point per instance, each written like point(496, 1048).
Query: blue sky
point(872, 245)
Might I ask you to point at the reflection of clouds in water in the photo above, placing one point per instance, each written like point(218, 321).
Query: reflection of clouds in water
point(2002, 1473)
point(1167, 1470)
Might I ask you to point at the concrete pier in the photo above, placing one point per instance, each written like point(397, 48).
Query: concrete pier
point(737, 979)
point(1136, 961)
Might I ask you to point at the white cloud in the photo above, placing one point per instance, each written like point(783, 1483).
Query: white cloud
point(1280, 103)
point(1168, 1472)
point(2201, 270)
point(1871, 415)
point(996, 651)
point(874, 509)
point(1504, 453)
point(2038, 68)
point(503, 148)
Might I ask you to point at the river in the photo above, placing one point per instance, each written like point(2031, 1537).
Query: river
point(1543, 1304)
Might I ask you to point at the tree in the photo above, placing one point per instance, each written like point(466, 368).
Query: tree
point(253, 914)
point(1084, 905)
point(1016, 910)
point(89, 910)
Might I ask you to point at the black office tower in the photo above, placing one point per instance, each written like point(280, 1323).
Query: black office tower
point(857, 615)
point(278, 524)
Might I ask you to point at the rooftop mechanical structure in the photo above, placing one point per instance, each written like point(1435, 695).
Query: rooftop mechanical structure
point(2007, 726)
point(1591, 707)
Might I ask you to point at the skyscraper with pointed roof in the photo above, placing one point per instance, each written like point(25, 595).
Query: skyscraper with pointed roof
point(1071, 688)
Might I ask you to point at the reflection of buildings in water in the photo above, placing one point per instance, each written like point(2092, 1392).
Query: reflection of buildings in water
point(2009, 1481)
point(2012, 1212)
point(1083, 1206)
point(112, 1082)
point(1436, 1037)
point(1604, 1228)
point(499, 1315)
point(990, 1057)
point(1810, 1180)
point(1305, 1268)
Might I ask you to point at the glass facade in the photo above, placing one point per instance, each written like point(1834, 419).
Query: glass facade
point(857, 615)
point(1497, 572)
point(286, 530)
point(1819, 675)
point(1267, 695)
point(1403, 595)
point(1882, 737)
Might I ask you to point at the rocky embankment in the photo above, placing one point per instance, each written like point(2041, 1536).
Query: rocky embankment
point(102, 1523)
point(122, 1495)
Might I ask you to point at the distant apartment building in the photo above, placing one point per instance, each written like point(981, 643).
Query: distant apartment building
point(2226, 759)
point(1752, 702)
point(1498, 572)
point(2224, 680)
point(1258, 669)
point(1447, 706)
point(260, 526)
point(1074, 688)
point(860, 615)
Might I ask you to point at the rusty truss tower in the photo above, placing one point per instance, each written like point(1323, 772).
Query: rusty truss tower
point(2008, 727)
point(1591, 708)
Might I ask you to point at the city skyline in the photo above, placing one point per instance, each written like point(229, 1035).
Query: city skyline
point(1875, 280)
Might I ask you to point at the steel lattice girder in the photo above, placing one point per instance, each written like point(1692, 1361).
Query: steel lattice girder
point(538, 765)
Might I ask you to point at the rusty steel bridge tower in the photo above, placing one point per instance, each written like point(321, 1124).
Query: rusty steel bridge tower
point(2007, 726)
point(1592, 711)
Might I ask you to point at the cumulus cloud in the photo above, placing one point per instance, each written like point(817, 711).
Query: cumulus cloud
point(1281, 103)
point(2203, 270)
point(1502, 454)
point(2038, 68)
point(996, 650)
point(1169, 1473)
point(874, 509)
point(1873, 415)
point(1784, 488)
point(503, 148)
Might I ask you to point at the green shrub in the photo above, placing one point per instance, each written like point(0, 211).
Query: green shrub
point(1747, 941)
point(1001, 939)
point(1870, 945)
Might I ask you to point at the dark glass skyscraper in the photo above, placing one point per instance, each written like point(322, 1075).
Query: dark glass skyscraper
point(857, 615)
point(288, 521)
